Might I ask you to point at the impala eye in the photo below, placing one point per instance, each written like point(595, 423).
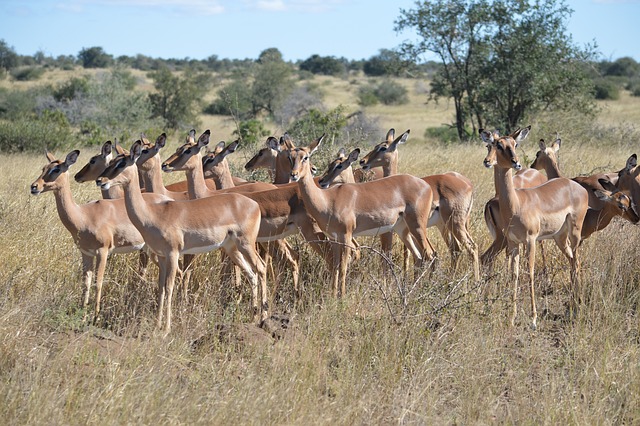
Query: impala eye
point(339, 166)
point(188, 151)
point(260, 154)
point(92, 161)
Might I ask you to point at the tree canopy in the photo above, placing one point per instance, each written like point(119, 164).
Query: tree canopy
point(502, 60)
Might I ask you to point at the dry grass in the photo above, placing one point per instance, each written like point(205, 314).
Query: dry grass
point(387, 353)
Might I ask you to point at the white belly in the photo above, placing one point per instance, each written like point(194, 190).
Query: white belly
point(374, 231)
point(201, 249)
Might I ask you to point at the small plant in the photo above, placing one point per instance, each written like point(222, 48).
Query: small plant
point(28, 73)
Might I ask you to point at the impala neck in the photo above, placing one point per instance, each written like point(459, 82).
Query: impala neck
point(391, 168)
point(152, 176)
point(221, 175)
point(196, 185)
point(313, 197)
point(552, 169)
point(134, 201)
point(507, 196)
point(68, 210)
point(112, 193)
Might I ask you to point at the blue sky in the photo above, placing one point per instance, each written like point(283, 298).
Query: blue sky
point(355, 29)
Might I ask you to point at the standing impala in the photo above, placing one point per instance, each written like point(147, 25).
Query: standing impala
point(400, 203)
point(173, 228)
point(605, 201)
point(98, 228)
point(554, 210)
point(452, 198)
point(96, 165)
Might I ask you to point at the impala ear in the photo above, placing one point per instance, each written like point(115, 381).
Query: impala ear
point(556, 145)
point(353, 155)
point(161, 140)
point(72, 157)
point(219, 148)
point(136, 151)
point(542, 145)
point(191, 137)
point(342, 153)
point(272, 143)
point(632, 162)
point(107, 147)
point(287, 142)
point(391, 134)
point(203, 140)
point(144, 139)
point(487, 137)
point(313, 147)
point(231, 148)
point(602, 195)
point(49, 156)
point(521, 134)
point(607, 185)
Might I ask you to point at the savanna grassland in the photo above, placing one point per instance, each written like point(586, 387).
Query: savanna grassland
point(428, 352)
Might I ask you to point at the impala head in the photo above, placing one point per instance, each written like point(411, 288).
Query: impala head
point(122, 169)
point(611, 194)
point(150, 151)
point(213, 163)
point(629, 179)
point(187, 156)
point(299, 159)
point(96, 164)
point(385, 152)
point(338, 166)
point(266, 157)
point(547, 155)
point(49, 178)
point(502, 149)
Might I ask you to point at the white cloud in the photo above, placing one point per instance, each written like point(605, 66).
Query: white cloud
point(203, 7)
point(271, 5)
point(617, 1)
point(304, 6)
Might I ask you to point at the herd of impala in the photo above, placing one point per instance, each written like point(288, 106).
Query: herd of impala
point(212, 209)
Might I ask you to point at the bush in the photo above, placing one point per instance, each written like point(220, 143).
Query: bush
point(446, 134)
point(71, 89)
point(51, 131)
point(367, 96)
point(251, 132)
point(27, 73)
point(606, 89)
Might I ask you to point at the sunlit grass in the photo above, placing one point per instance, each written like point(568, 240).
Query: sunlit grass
point(389, 352)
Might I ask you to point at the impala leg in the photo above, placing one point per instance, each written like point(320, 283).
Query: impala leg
point(187, 262)
point(101, 262)
point(531, 251)
point(143, 263)
point(162, 279)
point(246, 257)
point(171, 270)
point(286, 253)
point(344, 262)
point(87, 276)
point(514, 262)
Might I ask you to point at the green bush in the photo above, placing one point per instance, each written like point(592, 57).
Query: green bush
point(446, 134)
point(606, 89)
point(71, 89)
point(367, 96)
point(51, 131)
point(392, 93)
point(251, 133)
point(27, 73)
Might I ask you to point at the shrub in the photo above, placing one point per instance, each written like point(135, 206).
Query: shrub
point(446, 134)
point(367, 96)
point(391, 93)
point(51, 131)
point(71, 89)
point(27, 73)
point(606, 89)
point(251, 132)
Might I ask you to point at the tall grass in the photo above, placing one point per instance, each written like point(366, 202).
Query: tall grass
point(435, 351)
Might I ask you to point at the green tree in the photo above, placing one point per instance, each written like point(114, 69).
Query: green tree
point(177, 99)
point(386, 62)
point(271, 54)
point(325, 65)
point(272, 82)
point(502, 60)
point(94, 57)
point(8, 58)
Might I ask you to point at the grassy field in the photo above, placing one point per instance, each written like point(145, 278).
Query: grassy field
point(430, 352)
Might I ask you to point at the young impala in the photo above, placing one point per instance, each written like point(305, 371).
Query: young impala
point(554, 210)
point(173, 228)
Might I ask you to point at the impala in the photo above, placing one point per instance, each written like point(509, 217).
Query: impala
point(282, 211)
point(605, 201)
point(173, 228)
point(98, 228)
point(554, 210)
point(400, 203)
point(96, 165)
point(452, 199)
